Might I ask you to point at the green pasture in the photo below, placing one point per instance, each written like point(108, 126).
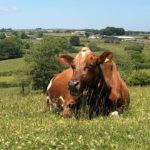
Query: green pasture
point(11, 72)
point(11, 66)
point(23, 125)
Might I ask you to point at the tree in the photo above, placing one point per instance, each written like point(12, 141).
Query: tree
point(2, 36)
point(43, 60)
point(112, 31)
point(24, 35)
point(75, 41)
point(15, 33)
point(11, 47)
point(40, 34)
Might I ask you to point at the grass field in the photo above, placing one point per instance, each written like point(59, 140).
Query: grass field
point(11, 66)
point(24, 126)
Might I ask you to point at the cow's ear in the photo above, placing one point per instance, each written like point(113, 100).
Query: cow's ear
point(105, 57)
point(65, 59)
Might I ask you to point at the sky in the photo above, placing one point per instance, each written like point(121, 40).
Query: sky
point(75, 14)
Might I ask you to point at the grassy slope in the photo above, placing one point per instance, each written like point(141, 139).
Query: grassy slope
point(11, 65)
point(22, 125)
point(10, 71)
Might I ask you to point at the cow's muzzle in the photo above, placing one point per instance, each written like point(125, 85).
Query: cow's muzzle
point(74, 87)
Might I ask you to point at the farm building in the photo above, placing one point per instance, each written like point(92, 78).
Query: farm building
point(121, 38)
point(79, 33)
point(94, 36)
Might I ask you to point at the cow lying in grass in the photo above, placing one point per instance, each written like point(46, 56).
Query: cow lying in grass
point(98, 76)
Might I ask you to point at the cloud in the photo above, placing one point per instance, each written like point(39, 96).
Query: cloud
point(8, 10)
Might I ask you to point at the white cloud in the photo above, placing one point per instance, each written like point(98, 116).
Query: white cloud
point(9, 9)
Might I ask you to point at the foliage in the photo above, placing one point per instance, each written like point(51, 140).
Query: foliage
point(94, 31)
point(2, 36)
point(11, 48)
point(135, 53)
point(15, 33)
point(112, 31)
point(145, 65)
point(73, 50)
point(137, 32)
point(138, 78)
point(75, 41)
point(39, 34)
point(112, 40)
point(146, 37)
point(93, 46)
point(32, 32)
point(137, 59)
point(28, 44)
point(43, 60)
point(23, 35)
point(135, 47)
point(123, 63)
point(129, 69)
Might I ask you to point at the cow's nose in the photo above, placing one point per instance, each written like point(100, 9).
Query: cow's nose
point(73, 84)
point(76, 83)
point(74, 87)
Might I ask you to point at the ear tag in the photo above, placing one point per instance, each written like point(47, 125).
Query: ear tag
point(106, 60)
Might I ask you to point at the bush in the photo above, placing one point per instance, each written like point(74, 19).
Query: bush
point(112, 40)
point(138, 78)
point(116, 41)
point(145, 65)
point(2, 36)
point(43, 62)
point(107, 41)
point(11, 48)
point(27, 44)
point(146, 37)
point(123, 63)
point(75, 41)
point(94, 46)
point(73, 50)
point(135, 47)
point(24, 35)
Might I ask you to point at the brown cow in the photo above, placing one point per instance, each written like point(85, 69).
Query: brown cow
point(99, 75)
point(58, 94)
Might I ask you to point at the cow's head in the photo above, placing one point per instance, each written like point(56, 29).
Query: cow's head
point(86, 69)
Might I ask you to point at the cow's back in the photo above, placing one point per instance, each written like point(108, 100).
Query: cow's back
point(59, 86)
point(57, 90)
